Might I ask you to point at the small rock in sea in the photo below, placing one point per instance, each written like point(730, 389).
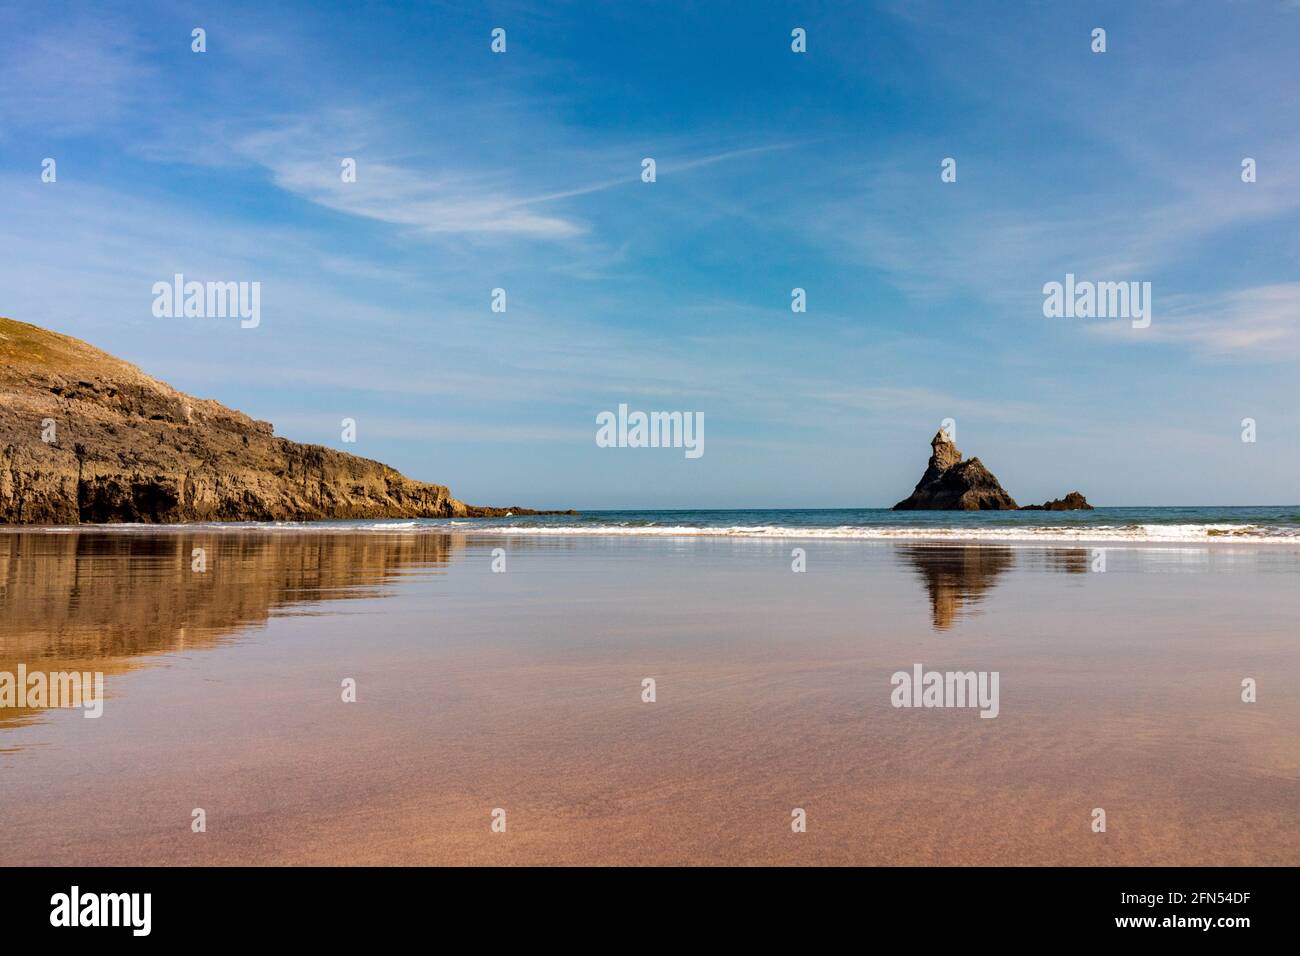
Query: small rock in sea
point(1071, 502)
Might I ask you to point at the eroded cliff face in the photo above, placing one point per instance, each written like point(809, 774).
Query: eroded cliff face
point(86, 437)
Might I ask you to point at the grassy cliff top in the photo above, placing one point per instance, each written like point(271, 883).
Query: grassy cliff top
point(26, 347)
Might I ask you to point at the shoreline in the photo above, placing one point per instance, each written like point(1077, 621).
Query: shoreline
point(1047, 538)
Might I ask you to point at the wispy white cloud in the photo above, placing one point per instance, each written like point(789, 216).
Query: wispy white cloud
point(377, 424)
point(893, 399)
point(68, 78)
point(303, 158)
point(1000, 247)
point(1262, 322)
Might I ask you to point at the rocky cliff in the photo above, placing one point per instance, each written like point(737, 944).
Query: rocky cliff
point(950, 484)
point(86, 437)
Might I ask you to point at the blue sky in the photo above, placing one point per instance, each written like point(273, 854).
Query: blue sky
point(775, 170)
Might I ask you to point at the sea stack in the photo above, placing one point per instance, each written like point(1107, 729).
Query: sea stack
point(950, 484)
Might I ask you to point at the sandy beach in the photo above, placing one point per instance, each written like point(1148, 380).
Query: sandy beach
point(478, 690)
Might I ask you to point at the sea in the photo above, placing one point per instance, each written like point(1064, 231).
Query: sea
point(1265, 525)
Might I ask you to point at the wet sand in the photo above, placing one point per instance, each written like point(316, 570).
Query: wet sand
point(522, 690)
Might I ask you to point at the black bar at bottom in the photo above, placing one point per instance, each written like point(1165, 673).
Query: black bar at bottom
point(331, 905)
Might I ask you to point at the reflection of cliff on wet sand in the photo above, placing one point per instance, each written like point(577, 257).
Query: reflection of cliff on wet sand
point(957, 575)
point(96, 601)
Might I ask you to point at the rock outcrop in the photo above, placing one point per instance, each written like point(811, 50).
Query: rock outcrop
point(950, 484)
point(87, 437)
point(1071, 502)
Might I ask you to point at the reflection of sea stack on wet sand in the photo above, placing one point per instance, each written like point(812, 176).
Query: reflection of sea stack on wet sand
point(957, 575)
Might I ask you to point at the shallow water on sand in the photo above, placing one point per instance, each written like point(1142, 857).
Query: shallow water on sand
point(522, 690)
